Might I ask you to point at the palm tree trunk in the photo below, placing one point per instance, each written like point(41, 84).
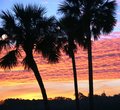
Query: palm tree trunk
point(34, 68)
point(91, 100)
point(75, 80)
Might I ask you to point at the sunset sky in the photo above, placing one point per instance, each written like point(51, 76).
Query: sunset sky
point(58, 78)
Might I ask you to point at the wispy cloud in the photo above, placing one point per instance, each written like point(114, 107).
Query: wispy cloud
point(58, 78)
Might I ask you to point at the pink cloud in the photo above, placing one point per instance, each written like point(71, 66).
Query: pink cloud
point(118, 1)
point(106, 62)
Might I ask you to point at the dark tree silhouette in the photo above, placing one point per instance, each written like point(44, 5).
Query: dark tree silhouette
point(28, 29)
point(97, 17)
point(62, 103)
point(68, 25)
point(81, 96)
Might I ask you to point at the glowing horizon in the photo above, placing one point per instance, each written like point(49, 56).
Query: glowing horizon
point(64, 89)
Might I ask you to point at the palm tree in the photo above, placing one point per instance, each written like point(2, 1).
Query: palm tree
point(68, 25)
point(97, 17)
point(28, 30)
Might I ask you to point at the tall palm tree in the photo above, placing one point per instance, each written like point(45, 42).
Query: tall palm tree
point(28, 29)
point(97, 17)
point(68, 25)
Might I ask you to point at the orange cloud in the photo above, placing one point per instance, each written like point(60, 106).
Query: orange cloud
point(58, 78)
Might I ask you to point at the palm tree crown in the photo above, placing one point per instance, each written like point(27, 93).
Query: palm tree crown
point(29, 29)
point(98, 15)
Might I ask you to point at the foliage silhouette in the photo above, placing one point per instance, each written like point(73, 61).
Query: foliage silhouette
point(69, 26)
point(101, 103)
point(28, 30)
point(97, 17)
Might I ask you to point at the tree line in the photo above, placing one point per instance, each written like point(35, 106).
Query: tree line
point(102, 102)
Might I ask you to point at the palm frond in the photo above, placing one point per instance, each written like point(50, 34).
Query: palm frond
point(44, 46)
point(30, 15)
point(9, 60)
point(4, 44)
point(54, 56)
point(51, 21)
point(74, 30)
point(47, 47)
point(2, 31)
point(109, 9)
point(26, 62)
point(64, 7)
point(11, 29)
point(104, 19)
point(68, 23)
point(31, 20)
point(68, 48)
point(68, 9)
point(36, 10)
point(8, 21)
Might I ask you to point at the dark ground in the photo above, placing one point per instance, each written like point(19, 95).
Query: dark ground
point(100, 103)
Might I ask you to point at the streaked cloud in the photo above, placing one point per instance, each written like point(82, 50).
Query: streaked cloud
point(58, 78)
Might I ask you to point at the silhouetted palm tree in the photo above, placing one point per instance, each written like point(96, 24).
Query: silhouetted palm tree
point(27, 29)
point(68, 25)
point(97, 17)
